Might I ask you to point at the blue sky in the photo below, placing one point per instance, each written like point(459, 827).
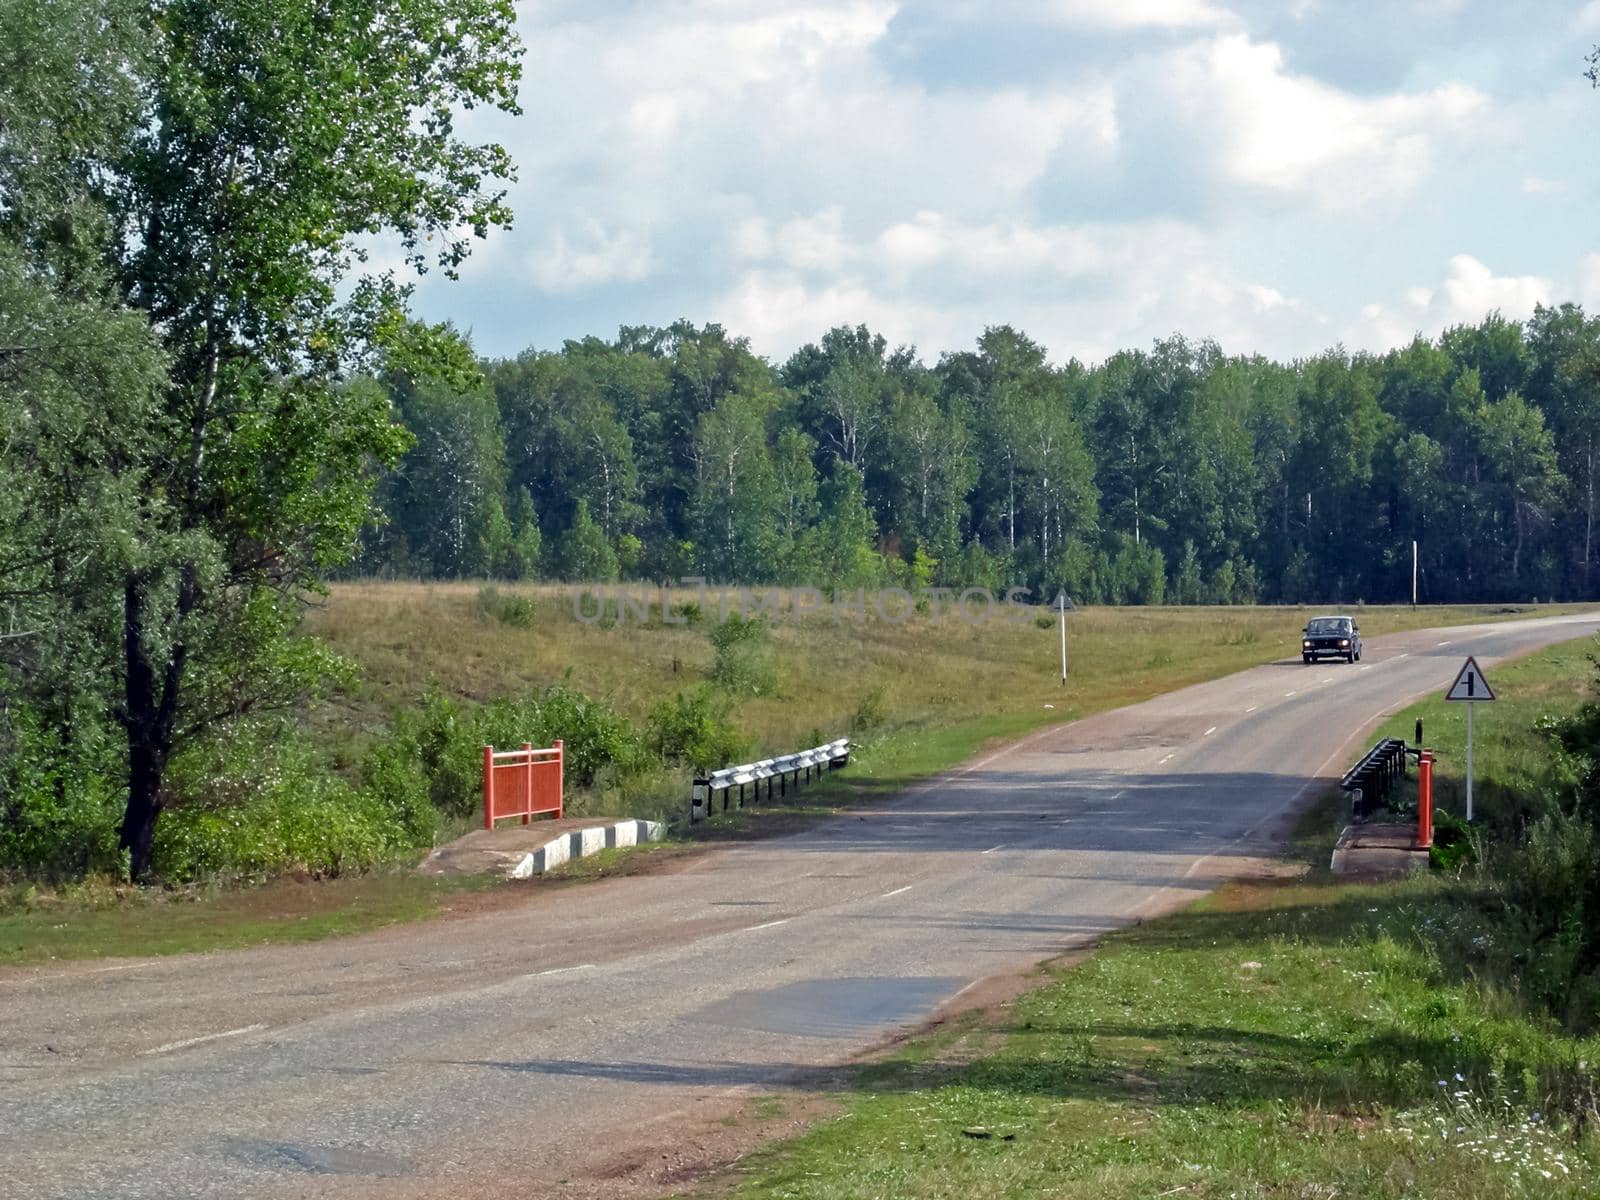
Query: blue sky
point(1278, 176)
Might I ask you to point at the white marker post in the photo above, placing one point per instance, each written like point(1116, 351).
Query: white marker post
point(1064, 605)
point(1470, 688)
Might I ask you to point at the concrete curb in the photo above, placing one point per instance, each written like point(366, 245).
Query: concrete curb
point(581, 843)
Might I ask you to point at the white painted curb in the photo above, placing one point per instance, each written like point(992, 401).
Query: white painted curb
point(581, 843)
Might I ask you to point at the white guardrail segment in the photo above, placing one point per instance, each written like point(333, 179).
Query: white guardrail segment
point(780, 767)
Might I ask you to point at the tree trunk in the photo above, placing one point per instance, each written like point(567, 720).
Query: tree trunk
point(149, 712)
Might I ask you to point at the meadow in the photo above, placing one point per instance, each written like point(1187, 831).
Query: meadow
point(932, 672)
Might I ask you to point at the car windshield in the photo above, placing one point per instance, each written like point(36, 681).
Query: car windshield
point(1329, 625)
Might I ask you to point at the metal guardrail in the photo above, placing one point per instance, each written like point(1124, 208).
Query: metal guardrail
point(785, 769)
point(1368, 782)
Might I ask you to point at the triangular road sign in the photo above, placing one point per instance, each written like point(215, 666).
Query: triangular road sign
point(1470, 685)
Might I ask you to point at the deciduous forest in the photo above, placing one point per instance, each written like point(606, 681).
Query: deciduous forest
point(1173, 474)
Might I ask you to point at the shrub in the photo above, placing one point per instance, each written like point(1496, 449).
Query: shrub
point(694, 728)
point(870, 713)
point(446, 738)
point(256, 799)
point(59, 813)
point(743, 661)
point(508, 609)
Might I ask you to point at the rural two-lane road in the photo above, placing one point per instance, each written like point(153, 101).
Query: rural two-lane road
point(505, 1053)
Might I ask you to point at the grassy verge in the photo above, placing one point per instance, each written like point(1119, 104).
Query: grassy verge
point(98, 921)
point(1513, 759)
point(1304, 1039)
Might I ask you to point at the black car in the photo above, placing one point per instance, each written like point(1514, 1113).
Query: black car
point(1331, 637)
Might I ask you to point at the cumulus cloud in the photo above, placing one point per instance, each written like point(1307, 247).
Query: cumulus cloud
point(777, 168)
point(591, 258)
point(1468, 291)
point(1082, 291)
point(1262, 127)
point(1118, 15)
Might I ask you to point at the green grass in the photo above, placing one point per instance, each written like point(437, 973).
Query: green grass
point(1513, 759)
point(1303, 1039)
point(99, 921)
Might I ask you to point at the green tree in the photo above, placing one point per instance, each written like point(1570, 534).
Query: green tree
point(584, 554)
point(735, 509)
point(274, 136)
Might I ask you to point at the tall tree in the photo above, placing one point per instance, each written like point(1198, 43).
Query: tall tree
point(277, 136)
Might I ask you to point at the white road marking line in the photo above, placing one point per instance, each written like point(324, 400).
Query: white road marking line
point(1163, 760)
point(1209, 732)
point(205, 1037)
point(1118, 795)
point(768, 925)
point(896, 892)
point(992, 849)
point(1326, 679)
point(1286, 695)
point(560, 970)
point(1368, 667)
point(1398, 657)
point(1251, 709)
point(1444, 643)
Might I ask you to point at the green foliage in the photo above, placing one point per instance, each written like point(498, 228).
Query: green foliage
point(1452, 846)
point(258, 800)
point(507, 607)
point(443, 740)
point(744, 662)
point(695, 729)
point(584, 553)
point(871, 713)
point(58, 810)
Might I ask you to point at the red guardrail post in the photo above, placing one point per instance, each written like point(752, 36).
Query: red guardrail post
point(488, 787)
point(527, 794)
point(561, 780)
point(1424, 799)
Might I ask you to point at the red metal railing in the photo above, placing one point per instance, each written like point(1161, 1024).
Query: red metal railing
point(522, 783)
point(1424, 799)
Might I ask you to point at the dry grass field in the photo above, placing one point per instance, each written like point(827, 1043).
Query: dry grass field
point(930, 672)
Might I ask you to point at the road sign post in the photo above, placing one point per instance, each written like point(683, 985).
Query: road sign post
point(1064, 605)
point(1471, 689)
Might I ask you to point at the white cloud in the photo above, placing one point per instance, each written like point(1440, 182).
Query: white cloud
point(1533, 185)
point(785, 167)
point(1280, 133)
point(599, 258)
point(1112, 15)
point(1083, 291)
point(1468, 292)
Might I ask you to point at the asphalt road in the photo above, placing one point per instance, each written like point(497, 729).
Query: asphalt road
point(498, 1055)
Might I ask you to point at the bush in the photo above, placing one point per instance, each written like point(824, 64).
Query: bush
point(256, 799)
point(508, 609)
point(870, 713)
point(743, 661)
point(445, 740)
point(59, 814)
point(1452, 842)
point(694, 729)
point(1551, 889)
